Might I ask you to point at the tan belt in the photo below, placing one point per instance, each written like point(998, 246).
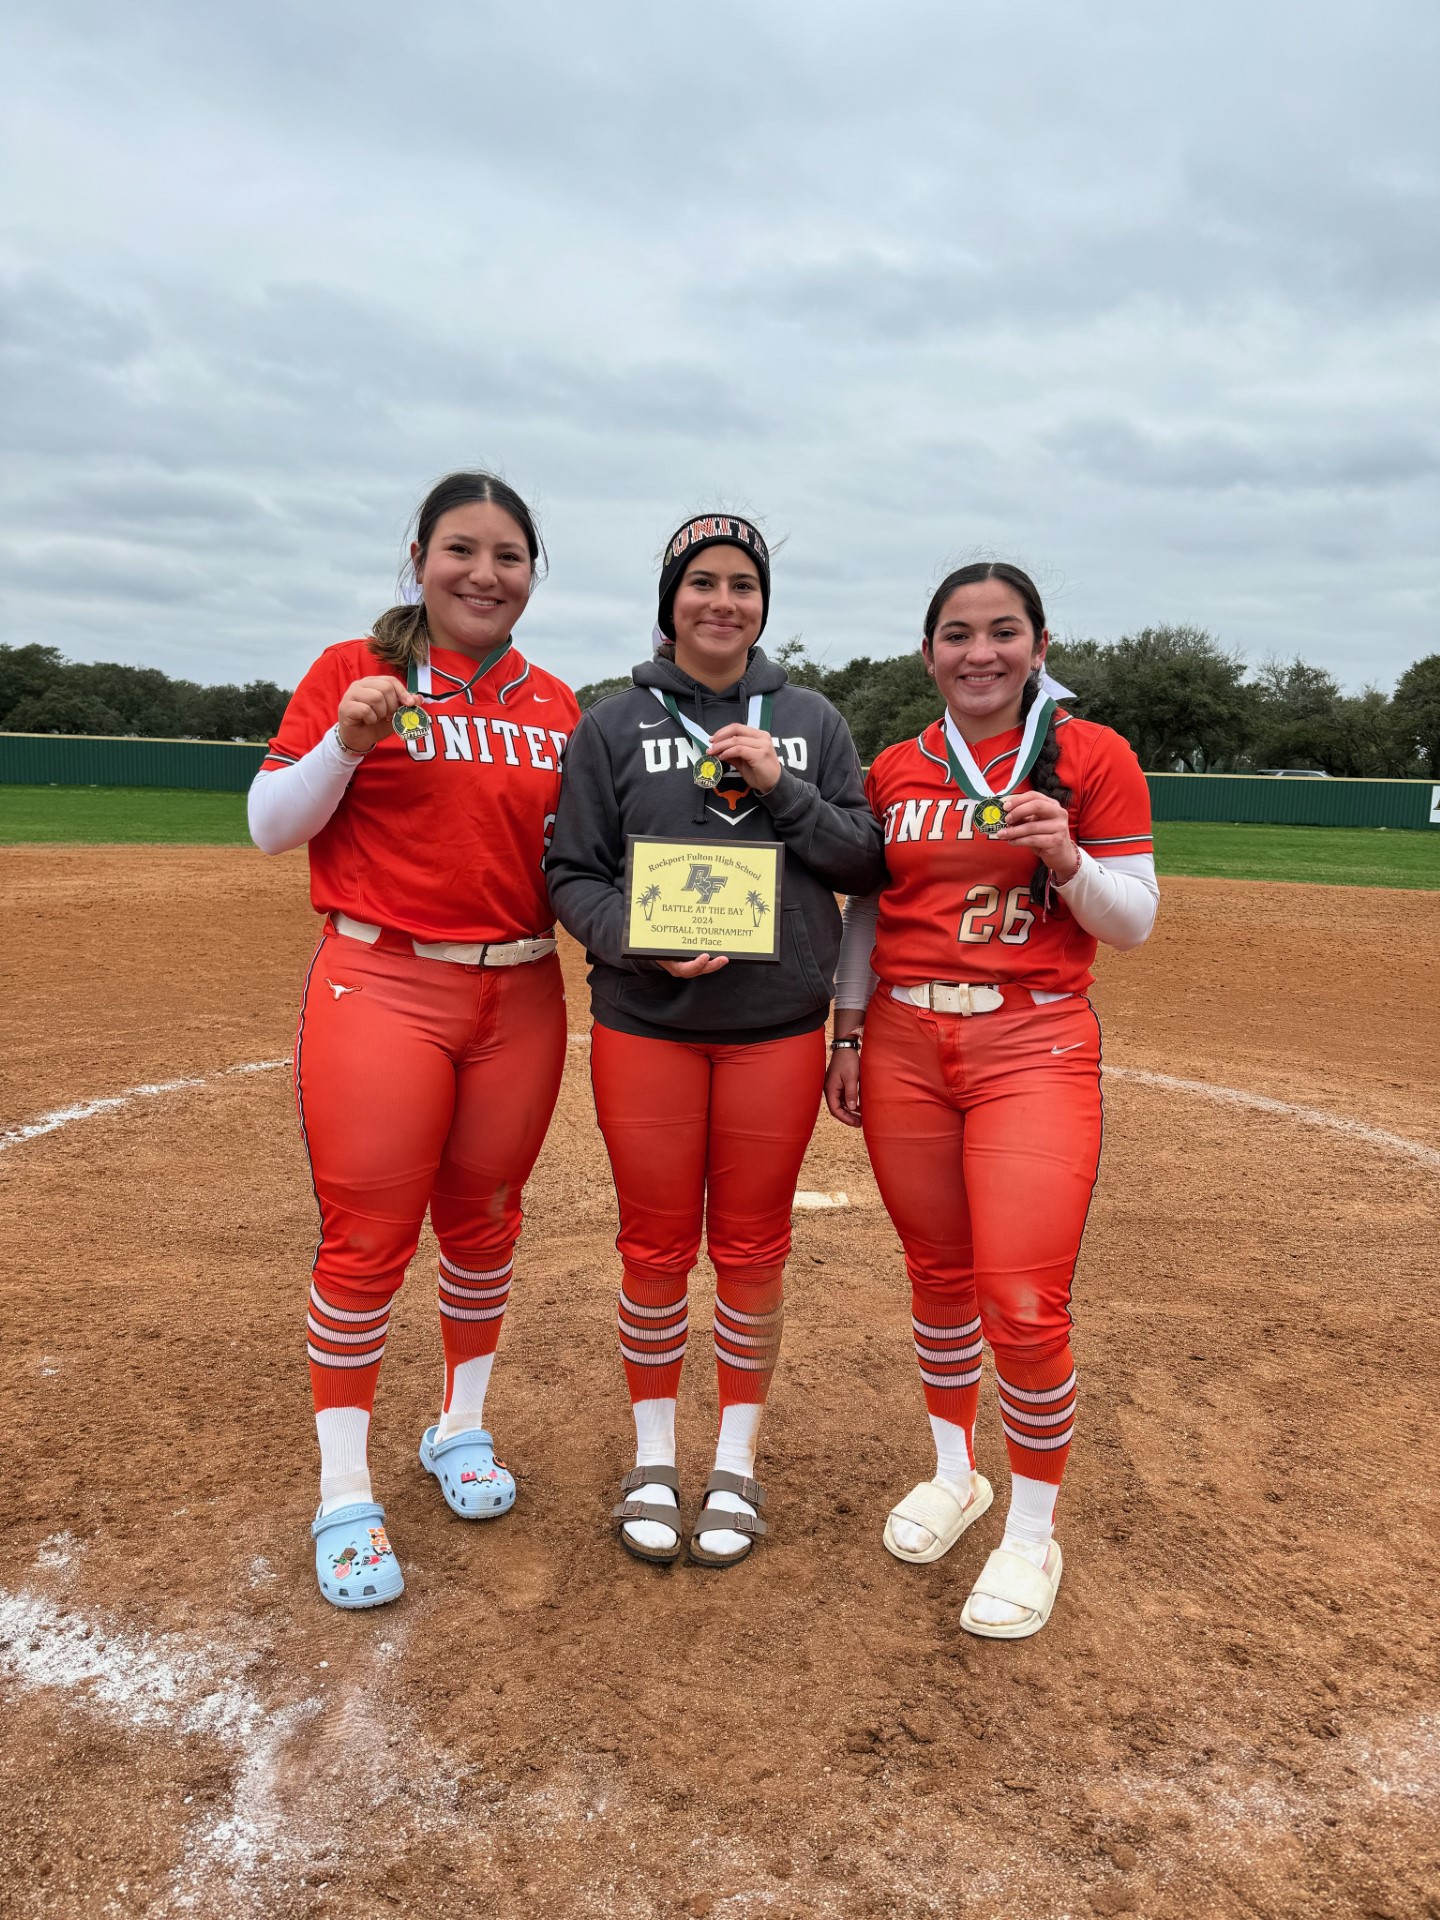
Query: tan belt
point(945, 996)
point(460, 953)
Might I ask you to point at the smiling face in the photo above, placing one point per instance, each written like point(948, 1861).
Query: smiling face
point(983, 651)
point(717, 615)
point(476, 576)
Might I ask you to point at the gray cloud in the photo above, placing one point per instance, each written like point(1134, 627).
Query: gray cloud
point(1146, 301)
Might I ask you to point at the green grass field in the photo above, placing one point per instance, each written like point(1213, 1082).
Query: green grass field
point(105, 815)
point(1327, 856)
point(1323, 856)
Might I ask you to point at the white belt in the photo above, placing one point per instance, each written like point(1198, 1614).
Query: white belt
point(460, 953)
point(946, 996)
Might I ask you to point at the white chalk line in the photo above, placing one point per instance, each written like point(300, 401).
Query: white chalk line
point(1262, 1103)
point(112, 1103)
point(1377, 1137)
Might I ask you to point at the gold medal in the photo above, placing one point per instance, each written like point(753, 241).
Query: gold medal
point(989, 816)
point(411, 723)
point(709, 771)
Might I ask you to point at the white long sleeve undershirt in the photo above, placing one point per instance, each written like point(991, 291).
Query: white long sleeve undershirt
point(1114, 899)
point(289, 805)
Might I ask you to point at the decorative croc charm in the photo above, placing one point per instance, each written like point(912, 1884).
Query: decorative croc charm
point(354, 1560)
point(475, 1484)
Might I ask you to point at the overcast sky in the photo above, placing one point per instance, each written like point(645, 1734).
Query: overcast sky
point(1145, 298)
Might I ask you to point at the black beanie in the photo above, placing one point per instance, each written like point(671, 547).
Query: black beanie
point(715, 530)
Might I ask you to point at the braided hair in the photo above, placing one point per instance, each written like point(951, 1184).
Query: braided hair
point(1043, 775)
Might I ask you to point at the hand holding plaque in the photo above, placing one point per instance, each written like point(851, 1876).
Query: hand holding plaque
point(687, 898)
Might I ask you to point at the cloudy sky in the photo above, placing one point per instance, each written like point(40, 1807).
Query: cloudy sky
point(1143, 297)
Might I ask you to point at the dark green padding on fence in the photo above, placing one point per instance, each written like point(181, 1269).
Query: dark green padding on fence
point(210, 766)
point(1294, 803)
point(203, 766)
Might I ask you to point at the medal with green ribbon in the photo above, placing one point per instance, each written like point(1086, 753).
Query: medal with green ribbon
point(413, 723)
point(989, 805)
point(709, 768)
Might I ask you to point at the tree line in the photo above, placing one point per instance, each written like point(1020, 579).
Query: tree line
point(41, 692)
point(1185, 703)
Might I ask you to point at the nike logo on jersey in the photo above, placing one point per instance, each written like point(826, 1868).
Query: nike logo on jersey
point(652, 723)
point(337, 991)
point(1069, 1049)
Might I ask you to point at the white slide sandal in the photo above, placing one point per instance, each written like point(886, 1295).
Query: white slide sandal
point(937, 1510)
point(1014, 1582)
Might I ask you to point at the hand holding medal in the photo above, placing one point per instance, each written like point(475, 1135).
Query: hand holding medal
point(371, 708)
point(1040, 825)
point(751, 751)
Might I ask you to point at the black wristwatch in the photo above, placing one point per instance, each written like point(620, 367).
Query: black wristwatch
point(851, 1040)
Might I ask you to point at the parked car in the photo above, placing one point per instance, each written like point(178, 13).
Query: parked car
point(1291, 773)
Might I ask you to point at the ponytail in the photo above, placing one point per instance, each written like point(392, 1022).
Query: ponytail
point(401, 635)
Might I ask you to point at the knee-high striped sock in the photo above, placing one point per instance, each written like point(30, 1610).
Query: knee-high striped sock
point(472, 1306)
point(749, 1320)
point(1037, 1411)
point(947, 1348)
point(654, 1321)
point(345, 1343)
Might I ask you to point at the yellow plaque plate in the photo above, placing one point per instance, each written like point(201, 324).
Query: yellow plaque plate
point(686, 897)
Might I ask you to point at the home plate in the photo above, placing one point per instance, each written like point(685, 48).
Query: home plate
point(817, 1202)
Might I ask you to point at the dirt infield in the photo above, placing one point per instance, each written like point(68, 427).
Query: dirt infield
point(1233, 1712)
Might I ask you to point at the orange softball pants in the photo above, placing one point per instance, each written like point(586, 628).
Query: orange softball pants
point(984, 1134)
point(420, 1084)
point(700, 1133)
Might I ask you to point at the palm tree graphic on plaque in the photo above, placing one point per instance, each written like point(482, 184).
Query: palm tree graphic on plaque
point(648, 899)
point(757, 905)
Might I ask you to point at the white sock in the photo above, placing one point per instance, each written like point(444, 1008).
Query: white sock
point(343, 1433)
point(467, 1397)
point(1029, 1528)
point(654, 1447)
point(734, 1453)
point(952, 1470)
point(1032, 1513)
point(952, 1455)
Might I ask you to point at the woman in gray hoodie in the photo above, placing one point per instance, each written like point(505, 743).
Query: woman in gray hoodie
point(708, 1071)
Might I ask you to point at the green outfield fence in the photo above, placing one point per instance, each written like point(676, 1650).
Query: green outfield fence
point(212, 766)
point(60, 760)
point(1250, 798)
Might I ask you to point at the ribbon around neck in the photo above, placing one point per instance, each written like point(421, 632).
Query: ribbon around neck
point(967, 775)
point(418, 677)
point(757, 714)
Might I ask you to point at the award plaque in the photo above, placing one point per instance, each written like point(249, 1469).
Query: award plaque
point(686, 897)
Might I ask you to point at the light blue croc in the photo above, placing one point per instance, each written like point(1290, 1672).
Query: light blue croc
point(475, 1484)
point(354, 1560)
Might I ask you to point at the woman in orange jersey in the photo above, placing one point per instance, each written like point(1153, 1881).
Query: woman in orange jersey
point(1016, 837)
point(422, 766)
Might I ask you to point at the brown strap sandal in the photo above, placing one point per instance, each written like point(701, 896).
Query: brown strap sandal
point(723, 1520)
point(645, 1510)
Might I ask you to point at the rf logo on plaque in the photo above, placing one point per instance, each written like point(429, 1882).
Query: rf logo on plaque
point(684, 897)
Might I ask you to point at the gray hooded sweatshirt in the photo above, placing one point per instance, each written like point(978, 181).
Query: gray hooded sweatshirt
point(628, 770)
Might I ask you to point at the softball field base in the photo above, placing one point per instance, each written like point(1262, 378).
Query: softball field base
point(1233, 1712)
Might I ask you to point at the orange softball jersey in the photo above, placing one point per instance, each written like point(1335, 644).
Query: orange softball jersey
point(957, 905)
point(443, 838)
